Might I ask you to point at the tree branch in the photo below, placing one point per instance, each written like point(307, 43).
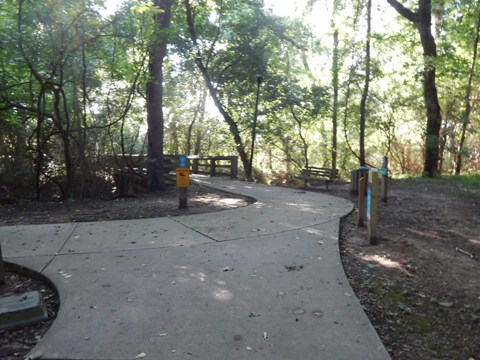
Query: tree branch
point(402, 10)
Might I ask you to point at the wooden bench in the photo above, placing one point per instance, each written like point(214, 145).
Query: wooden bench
point(313, 174)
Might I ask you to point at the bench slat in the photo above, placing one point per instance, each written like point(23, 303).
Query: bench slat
point(314, 173)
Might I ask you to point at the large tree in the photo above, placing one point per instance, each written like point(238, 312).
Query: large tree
point(422, 20)
point(155, 116)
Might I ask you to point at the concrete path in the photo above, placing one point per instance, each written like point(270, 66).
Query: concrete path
point(260, 282)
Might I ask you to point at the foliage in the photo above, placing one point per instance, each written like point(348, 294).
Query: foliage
point(73, 88)
point(471, 181)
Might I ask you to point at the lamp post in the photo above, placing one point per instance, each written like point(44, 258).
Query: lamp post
point(254, 129)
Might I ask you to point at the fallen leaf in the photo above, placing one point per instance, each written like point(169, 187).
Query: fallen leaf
point(446, 304)
point(293, 267)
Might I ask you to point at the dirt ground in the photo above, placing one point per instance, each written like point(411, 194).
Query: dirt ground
point(201, 199)
point(420, 286)
point(16, 343)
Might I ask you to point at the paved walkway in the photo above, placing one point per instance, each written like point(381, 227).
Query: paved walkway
point(260, 282)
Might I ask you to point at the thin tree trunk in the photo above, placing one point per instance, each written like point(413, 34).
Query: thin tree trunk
point(65, 136)
point(363, 102)
point(335, 69)
point(198, 114)
point(39, 140)
point(175, 142)
point(443, 144)
point(335, 86)
point(300, 134)
point(468, 101)
point(155, 117)
point(213, 91)
point(198, 142)
point(249, 174)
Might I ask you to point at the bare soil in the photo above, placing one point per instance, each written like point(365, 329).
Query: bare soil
point(420, 286)
point(201, 199)
point(16, 343)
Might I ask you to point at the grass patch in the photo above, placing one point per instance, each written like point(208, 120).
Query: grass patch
point(421, 325)
point(467, 180)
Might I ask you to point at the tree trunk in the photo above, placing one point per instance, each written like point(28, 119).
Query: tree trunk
point(155, 117)
point(64, 133)
point(363, 102)
point(199, 113)
point(434, 117)
point(443, 144)
point(304, 141)
point(174, 138)
point(213, 91)
point(249, 173)
point(468, 102)
point(39, 143)
point(422, 19)
point(335, 69)
point(198, 142)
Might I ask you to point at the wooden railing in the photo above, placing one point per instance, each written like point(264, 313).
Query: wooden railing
point(214, 165)
point(129, 172)
point(210, 165)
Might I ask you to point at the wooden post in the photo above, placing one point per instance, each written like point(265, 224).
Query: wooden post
point(2, 270)
point(182, 197)
point(234, 167)
point(354, 182)
point(183, 181)
point(372, 215)
point(213, 170)
point(384, 179)
point(194, 165)
point(361, 201)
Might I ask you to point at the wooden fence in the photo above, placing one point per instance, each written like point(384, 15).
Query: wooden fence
point(129, 172)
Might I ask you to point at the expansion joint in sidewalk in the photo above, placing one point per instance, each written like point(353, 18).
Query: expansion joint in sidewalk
point(61, 247)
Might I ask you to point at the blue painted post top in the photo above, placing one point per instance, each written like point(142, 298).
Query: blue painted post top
point(383, 171)
point(182, 161)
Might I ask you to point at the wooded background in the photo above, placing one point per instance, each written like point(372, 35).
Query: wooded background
point(342, 84)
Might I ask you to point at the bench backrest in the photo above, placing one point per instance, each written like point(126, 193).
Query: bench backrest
point(320, 171)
